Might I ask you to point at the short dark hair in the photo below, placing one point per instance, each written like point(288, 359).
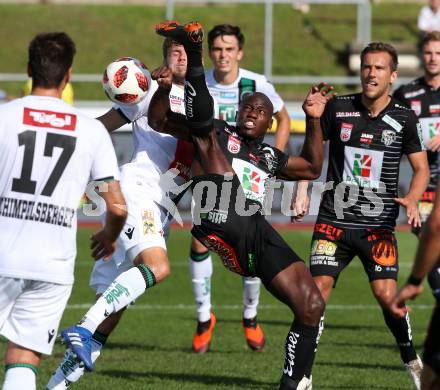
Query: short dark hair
point(50, 58)
point(225, 29)
point(167, 43)
point(431, 37)
point(377, 47)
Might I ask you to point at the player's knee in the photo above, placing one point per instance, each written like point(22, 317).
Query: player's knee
point(384, 297)
point(312, 309)
point(161, 270)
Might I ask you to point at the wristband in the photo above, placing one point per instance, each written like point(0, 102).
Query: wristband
point(414, 281)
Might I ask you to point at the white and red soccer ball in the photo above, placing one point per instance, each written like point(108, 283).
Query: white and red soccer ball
point(126, 80)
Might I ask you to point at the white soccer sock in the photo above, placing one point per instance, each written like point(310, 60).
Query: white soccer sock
point(124, 289)
point(70, 369)
point(251, 296)
point(201, 272)
point(19, 377)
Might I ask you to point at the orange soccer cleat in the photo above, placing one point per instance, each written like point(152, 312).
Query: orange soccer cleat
point(253, 333)
point(202, 337)
point(190, 35)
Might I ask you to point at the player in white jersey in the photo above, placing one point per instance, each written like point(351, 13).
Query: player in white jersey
point(143, 238)
point(48, 152)
point(228, 83)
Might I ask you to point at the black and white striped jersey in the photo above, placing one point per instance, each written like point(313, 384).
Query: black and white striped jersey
point(364, 159)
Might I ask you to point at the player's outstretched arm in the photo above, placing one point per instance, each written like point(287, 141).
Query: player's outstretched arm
point(427, 255)
point(112, 120)
point(282, 131)
point(419, 182)
point(104, 242)
point(307, 166)
point(160, 116)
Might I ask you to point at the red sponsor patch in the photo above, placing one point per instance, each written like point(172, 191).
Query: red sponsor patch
point(331, 232)
point(52, 119)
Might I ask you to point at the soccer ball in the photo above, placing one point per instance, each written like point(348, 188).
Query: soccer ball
point(126, 80)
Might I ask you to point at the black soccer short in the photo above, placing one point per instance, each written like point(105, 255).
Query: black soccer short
point(247, 245)
point(425, 206)
point(431, 353)
point(333, 248)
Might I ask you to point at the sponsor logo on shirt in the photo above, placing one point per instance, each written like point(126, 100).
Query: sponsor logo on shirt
point(388, 137)
point(229, 95)
point(392, 122)
point(251, 180)
point(355, 114)
point(52, 119)
point(434, 109)
point(416, 106)
point(346, 129)
point(233, 144)
point(362, 167)
point(410, 95)
point(366, 138)
point(227, 112)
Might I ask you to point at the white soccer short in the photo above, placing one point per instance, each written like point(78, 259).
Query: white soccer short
point(146, 227)
point(30, 312)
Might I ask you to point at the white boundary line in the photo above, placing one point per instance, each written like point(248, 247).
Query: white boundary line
point(182, 306)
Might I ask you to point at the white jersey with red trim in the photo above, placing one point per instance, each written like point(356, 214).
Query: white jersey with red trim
point(48, 152)
point(154, 152)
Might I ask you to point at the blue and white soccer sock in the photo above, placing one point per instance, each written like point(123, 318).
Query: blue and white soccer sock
point(200, 265)
point(251, 296)
point(124, 289)
point(20, 376)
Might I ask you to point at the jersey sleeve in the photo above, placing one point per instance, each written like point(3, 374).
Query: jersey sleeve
point(327, 120)
point(133, 112)
point(105, 164)
point(281, 159)
point(264, 86)
point(412, 135)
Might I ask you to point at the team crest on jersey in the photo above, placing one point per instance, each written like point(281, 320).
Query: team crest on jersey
point(233, 144)
point(416, 106)
point(388, 137)
point(346, 129)
point(269, 155)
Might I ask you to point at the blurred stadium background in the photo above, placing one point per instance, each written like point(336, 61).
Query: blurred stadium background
point(310, 41)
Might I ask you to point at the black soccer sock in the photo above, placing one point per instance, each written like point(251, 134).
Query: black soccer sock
point(401, 330)
point(300, 346)
point(308, 372)
point(434, 281)
point(100, 337)
point(199, 105)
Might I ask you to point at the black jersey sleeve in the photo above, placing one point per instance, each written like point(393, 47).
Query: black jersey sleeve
point(412, 135)
point(327, 120)
point(281, 159)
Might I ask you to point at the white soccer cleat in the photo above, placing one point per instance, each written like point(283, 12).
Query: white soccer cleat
point(414, 368)
point(305, 384)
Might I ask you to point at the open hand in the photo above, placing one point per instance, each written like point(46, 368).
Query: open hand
point(316, 99)
point(412, 211)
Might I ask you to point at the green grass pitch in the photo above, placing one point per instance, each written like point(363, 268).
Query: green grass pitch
point(151, 349)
